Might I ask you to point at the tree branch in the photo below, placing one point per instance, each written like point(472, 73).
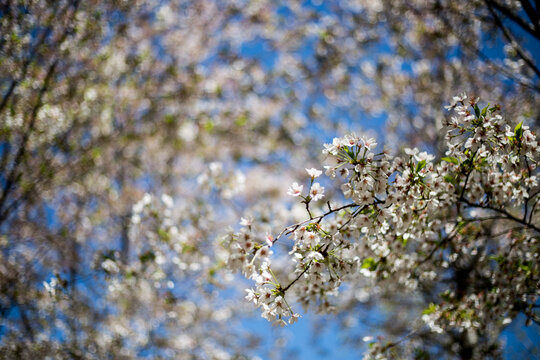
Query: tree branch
point(491, 4)
point(501, 211)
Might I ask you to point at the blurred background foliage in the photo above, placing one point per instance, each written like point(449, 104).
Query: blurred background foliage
point(209, 108)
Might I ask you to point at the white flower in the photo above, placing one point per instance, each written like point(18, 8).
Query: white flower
point(424, 156)
point(295, 189)
point(138, 207)
point(369, 143)
point(316, 192)
point(470, 142)
point(350, 140)
point(245, 221)
point(314, 255)
point(110, 266)
point(167, 200)
point(313, 172)
point(215, 168)
point(251, 296)
point(147, 198)
point(330, 171)
point(333, 148)
point(136, 219)
point(294, 318)
point(455, 101)
point(410, 151)
point(50, 286)
point(269, 240)
point(311, 238)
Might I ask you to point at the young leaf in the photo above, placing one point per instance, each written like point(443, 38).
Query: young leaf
point(430, 309)
point(484, 110)
point(369, 263)
point(451, 159)
point(518, 130)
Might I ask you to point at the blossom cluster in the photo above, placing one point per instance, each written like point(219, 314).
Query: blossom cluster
point(251, 255)
point(414, 220)
point(315, 192)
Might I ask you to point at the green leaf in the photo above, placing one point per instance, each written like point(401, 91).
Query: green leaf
point(525, 267)
point(324, 34)
point(421, 165)
point(476, 110)
point(164, 235)
point(147, 256)
point(497, 258)
point(484, 110)
point(402, 240)
point(430, 309)
point(209, 126)
point(95, 153)
point(450, 179)
point(451, 159)
point(420, 354)
point(241, 120)
point(369, 263)
point(169, 119)
point(518, 130)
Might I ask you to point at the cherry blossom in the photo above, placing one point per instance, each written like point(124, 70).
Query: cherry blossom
point(413, 218)
point(295, 189)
